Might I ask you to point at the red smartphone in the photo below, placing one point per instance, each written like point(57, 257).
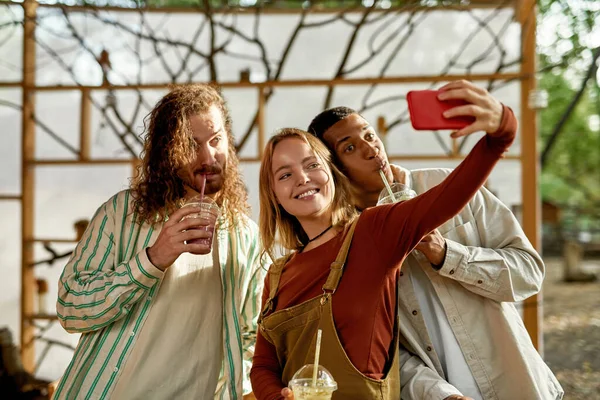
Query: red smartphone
point(426, 111)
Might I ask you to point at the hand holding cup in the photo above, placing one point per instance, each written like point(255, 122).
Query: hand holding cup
point(185, 231)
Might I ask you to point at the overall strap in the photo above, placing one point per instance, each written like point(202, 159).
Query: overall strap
point(337, 267)
point(274, 275)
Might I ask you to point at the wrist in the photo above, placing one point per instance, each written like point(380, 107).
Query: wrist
point(437, 266)
point(152, 259)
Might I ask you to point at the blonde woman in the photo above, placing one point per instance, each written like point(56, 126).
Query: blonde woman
point(341, 273)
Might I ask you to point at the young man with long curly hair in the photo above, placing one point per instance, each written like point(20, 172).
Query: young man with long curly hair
point(164, 315)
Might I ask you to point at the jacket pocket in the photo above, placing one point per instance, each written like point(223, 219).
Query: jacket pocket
point(466, 234)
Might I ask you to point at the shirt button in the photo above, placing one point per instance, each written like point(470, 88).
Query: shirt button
point(415, 312)
point(401, 273)
point(132, 333)
point(116, 369)
point(429, 348)
point(149, 298)
point(451, 272)
point(480, 281)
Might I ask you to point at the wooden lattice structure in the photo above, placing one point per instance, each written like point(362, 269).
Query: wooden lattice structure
point(524, 14)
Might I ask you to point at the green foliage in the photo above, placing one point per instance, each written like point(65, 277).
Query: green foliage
point(572, 175)
point(565, 35)
point(289, 4)
point(565, 31)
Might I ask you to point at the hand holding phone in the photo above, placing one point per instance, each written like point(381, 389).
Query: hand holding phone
point(426, 111)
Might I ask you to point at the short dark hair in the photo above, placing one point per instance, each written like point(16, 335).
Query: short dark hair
point(326, 119)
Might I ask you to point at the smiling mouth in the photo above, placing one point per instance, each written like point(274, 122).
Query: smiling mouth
point(307, 193)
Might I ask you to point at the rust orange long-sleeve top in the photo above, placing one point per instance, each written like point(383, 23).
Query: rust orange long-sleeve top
point(365, 302)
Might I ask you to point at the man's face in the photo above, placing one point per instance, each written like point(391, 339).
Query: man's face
point(358, 148)
point(208, 132)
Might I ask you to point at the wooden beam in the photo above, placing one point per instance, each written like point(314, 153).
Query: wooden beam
point(532, 312)
point(249, 159)
point(28, 183)
point(439, 157)
point(473, 5)
point(46, 317)
point(416, 157)
point(304, 82)
point(17, 197)
point(85, 126)
point(11, 84)
point(261, 122)
point(98, 161)
point(53, 240)
point(135, 163)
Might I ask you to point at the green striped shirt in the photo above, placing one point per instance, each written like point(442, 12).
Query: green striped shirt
point(107, 289)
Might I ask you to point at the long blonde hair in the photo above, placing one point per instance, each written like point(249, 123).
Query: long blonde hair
point(157, 189)
point(274, 219)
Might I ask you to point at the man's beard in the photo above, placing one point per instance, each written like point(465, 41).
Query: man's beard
point(213, 185)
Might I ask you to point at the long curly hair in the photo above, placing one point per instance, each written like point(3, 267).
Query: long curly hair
point(156, 188)
point(275, 223)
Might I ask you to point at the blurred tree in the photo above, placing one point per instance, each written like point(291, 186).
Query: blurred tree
point(571, 173)
point(569, 50)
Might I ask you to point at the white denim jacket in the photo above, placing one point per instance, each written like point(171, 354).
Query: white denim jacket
point(489, 265)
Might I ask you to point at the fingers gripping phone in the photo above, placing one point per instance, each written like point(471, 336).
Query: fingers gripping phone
point(426, 111)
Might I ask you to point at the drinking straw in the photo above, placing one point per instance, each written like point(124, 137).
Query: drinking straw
point(387, 185)
point(316, 365)
point(203, 186)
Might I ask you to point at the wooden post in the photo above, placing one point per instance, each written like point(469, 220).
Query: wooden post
point(85, 125)
point(135, 162)
point(530, 165)
point(261, 122)
point(382, 130)
point(28, 184)
point(455, 147)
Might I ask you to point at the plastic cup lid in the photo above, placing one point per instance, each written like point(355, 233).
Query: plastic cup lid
point(304, 377)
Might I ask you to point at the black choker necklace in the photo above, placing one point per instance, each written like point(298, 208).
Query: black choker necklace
point(320, 234)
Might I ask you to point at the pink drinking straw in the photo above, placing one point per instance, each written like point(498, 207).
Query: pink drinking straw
point(203, 186)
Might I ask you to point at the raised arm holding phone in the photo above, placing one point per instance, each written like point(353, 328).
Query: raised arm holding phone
point(456, 292)
point(304, 200)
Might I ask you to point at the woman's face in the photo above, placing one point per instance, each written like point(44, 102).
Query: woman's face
point(301, 182)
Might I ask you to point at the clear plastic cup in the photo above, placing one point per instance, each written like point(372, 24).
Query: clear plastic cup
point(401, 193)
point(209, 213)
point(302, 384)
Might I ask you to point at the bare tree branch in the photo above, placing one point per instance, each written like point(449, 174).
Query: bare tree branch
point(43, 127)
point(591, 72)
point(392, 56)
point(211, 23)
point(284, 57)
point(388, 37)
point(373, 51)
point(348, 51)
